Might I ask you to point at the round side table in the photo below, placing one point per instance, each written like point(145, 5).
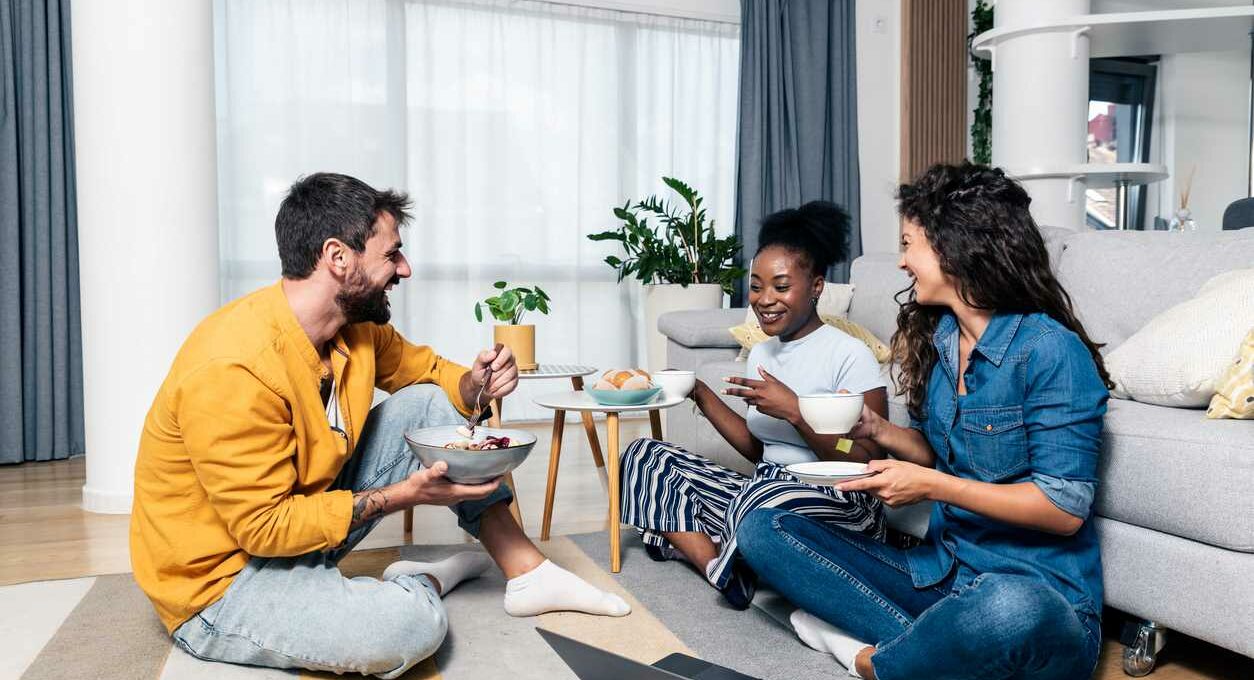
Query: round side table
point(581, 401)
point(576, 373)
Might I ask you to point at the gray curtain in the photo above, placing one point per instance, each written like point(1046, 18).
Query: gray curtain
point(798, 127)
point(41, 375)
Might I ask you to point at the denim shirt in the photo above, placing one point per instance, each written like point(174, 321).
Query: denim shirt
point(1032, 413)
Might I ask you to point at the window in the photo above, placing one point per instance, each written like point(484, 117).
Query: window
point(1121, 104)
point(516, 127)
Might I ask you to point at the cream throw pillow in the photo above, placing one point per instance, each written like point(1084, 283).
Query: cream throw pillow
point(1234, 395)
point(834, 301)
point(1178, 358)
point(750, 334)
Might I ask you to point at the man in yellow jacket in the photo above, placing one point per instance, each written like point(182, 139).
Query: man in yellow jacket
point(262, 463)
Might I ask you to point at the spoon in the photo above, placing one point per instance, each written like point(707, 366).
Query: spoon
point(487, 377)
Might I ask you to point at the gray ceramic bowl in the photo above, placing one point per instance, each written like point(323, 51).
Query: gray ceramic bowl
point(470, 467)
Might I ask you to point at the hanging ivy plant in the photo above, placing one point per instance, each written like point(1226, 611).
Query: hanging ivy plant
point(982, 126)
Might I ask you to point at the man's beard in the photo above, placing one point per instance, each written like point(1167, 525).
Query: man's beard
point(360, 302)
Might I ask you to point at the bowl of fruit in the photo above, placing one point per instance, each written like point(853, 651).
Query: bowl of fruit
point(472, 457)
point(624, 387)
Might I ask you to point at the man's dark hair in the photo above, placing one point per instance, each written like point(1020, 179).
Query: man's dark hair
point(328, 205)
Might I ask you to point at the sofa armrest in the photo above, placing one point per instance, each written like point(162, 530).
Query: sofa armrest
point(702, 327)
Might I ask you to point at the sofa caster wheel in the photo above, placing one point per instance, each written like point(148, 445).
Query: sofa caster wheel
point(1141, 652)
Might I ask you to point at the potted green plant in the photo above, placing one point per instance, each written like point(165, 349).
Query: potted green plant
point(508, 307)
point(682, 263)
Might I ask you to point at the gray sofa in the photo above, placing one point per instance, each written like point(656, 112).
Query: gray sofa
point(1175, 507)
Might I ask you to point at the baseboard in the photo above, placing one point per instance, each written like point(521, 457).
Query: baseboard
point(106, 502)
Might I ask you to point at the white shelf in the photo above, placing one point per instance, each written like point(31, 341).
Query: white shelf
point(1125, 34)
point(1097, 175)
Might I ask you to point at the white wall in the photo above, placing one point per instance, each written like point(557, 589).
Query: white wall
point(879, 120)
point(1203, 102)
point(1200, 118)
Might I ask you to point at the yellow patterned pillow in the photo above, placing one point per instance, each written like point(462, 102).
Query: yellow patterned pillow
point(881, 351)
point(1234, 391)
point(750, 334)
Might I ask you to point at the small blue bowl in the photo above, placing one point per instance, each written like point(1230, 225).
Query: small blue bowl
point(623, 397)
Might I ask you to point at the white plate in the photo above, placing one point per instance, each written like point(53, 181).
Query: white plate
point(828, 472)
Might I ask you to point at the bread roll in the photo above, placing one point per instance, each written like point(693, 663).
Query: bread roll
point(617, 378)
point(635, 382)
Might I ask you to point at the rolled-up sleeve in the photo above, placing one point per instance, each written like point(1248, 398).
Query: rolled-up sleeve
point(1062, 414)
point(1072, 497)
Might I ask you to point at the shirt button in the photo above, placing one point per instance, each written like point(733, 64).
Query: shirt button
point(988, 428)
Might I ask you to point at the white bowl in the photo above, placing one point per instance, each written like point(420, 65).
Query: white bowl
point(830, 413)
point(675, 384)
point(470, 467)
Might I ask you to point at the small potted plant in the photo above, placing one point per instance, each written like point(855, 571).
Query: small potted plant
point(685, 266)
point(508, 307)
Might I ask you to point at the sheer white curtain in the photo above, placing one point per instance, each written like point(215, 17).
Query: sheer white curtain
point(515, 126)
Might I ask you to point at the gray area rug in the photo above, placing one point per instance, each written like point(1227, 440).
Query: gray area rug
point(758, 641)
point(483, 641)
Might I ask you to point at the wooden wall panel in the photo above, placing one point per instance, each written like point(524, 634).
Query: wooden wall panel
point(933, 83)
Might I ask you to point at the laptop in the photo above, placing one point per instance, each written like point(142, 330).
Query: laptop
point(592, 663)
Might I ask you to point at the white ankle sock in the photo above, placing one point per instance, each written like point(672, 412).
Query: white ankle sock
point(449, 572)
point(823, 636)
point(549, 588)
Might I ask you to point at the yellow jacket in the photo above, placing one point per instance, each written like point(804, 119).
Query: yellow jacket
point(236, 455)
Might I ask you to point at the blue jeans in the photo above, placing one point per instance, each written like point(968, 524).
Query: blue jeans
point(970, 626)
point(301, 612)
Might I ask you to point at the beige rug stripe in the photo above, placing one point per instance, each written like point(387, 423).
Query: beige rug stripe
point(30, 615)
point(112, 633)
point(639, 635)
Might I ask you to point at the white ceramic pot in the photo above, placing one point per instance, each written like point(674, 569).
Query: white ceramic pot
point(660, 298)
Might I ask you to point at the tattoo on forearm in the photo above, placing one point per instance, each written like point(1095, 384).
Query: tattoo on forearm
point(368, 505)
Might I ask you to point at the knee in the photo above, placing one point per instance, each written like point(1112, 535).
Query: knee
point(760, 487)
point(423, 405)
point(640, 452)
point(1021, 611)
point(415, 630)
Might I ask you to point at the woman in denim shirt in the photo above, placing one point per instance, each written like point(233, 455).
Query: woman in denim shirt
point(1006, 395)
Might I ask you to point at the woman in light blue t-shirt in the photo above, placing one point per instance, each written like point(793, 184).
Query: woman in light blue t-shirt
point(687, 506)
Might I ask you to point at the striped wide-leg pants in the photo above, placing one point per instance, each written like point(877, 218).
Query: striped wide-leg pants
point(665, 488)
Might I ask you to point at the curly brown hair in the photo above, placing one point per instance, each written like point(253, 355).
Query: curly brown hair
point(977, 220)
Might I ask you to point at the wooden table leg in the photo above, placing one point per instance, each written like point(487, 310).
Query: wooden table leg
point(591, 429)
point(655, 422)
point(612, 436)
point(495, 421)
point(550, 489)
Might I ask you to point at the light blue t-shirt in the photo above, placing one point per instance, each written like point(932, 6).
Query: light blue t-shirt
point(823, 362)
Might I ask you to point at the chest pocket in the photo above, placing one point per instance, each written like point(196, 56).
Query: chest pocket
point(996, 445)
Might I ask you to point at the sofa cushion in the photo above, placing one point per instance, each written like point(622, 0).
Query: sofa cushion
point(751, 334)
point(877, 280)
point(1175, 471)
point(1178, 358)
point(701, 327)
point(1119, 280)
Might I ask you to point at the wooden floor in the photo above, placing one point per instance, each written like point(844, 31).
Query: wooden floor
point(45, 534)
